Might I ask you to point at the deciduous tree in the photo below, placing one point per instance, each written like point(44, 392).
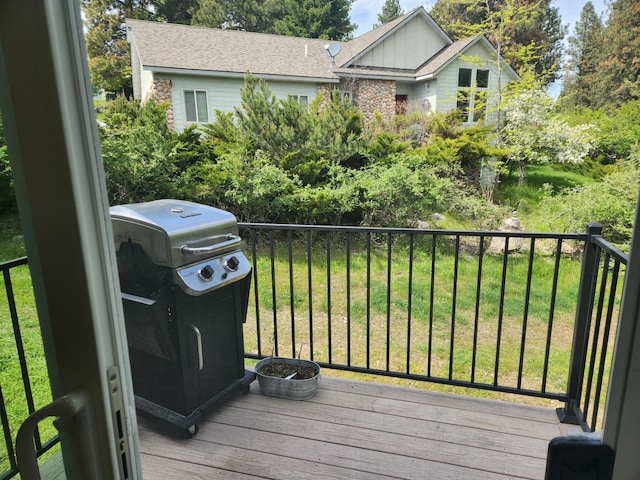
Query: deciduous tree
point(534, 136)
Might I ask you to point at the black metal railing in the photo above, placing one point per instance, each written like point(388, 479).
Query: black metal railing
point(16, 377)
point(511, 312)
point(603, 266)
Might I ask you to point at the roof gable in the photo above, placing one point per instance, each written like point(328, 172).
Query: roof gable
point(453, 51)
point(405, 42)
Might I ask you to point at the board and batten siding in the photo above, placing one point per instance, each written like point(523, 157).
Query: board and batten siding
point(224, 94)
point(406, 48)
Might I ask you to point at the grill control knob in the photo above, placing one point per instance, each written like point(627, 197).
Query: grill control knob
point(231, 264)
point(206, 273)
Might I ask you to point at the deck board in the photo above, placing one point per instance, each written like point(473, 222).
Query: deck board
point(358, 430)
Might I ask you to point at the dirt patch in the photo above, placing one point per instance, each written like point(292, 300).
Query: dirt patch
point(282, 371)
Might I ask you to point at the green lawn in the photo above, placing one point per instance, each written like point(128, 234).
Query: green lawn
point(526, 198)
point(435, 326)
point(28, 329)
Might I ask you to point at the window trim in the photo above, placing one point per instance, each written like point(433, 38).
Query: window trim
point(468, 96)
point(196, 106)
point(298, 97)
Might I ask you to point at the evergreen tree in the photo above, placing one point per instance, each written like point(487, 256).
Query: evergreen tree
point(619, 71)
point(528, 33)
point(316, 19)
point(390, 11)
point(584, 53)
point(247, 15)
point(176, 11)
point(106, 40)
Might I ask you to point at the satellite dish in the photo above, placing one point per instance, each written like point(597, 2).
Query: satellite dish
point(332, 49)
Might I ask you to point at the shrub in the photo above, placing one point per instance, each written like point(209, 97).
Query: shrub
point(136, 151)
point(400, 194)
point(611, 202)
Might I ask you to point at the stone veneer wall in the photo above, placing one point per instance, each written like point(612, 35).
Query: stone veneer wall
point(372, 96)
point(161, 92)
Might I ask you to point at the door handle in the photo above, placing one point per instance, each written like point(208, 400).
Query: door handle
point(75, 415)
point(200, 357)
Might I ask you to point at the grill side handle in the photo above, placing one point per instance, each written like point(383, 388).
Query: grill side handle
point(228, 240)
point(198, 335)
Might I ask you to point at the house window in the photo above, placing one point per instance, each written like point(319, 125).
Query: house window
point(472, 94)
point(464, 77)
point(463, 104)
point(303, 100)
point(479, 105)
point(195, 104)
point(482, 78)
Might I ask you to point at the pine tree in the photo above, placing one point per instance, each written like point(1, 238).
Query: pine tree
point(619, 71)
point(327, 19)
point(176, 11)
point(390, 11)
point(107, 47)
point(584, 52)
point(248, 15)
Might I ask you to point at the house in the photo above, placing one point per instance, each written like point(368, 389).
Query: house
point(408, 62)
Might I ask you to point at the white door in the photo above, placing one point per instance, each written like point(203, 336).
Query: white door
point(45, 99)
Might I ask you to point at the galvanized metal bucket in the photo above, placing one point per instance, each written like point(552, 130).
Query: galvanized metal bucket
point(288, 387)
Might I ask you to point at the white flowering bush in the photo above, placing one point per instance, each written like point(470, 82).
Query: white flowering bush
point(533, 135)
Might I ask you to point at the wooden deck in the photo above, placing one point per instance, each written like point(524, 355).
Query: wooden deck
point(358, 430)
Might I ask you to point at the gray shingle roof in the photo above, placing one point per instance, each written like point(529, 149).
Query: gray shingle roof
point(165, 46)
point(184, 47)
point(445, 56)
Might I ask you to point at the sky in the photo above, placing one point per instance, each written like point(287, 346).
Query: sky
point(364, 13)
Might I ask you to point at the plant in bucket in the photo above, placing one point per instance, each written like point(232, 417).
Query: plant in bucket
point(291, 378)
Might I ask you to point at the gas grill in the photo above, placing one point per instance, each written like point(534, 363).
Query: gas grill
point(185, 289)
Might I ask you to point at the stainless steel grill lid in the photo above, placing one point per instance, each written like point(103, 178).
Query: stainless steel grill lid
point(174, 233)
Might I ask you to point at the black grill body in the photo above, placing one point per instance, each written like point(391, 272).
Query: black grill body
point(183, 317)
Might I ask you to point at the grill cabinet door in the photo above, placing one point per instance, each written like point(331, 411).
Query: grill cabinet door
point(211, 339)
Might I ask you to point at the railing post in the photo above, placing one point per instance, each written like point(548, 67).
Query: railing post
point(571, 412)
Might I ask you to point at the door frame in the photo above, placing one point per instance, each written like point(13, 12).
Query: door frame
point(51, 132)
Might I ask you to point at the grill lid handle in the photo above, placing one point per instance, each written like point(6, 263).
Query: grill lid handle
point(228, 241)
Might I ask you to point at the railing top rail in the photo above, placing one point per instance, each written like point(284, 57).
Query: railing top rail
point(611, 249)
point(415, 231)
point(13, 263)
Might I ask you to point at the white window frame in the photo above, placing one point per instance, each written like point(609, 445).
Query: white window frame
point(196, 115)
point(298, 98)
point(471, 114)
